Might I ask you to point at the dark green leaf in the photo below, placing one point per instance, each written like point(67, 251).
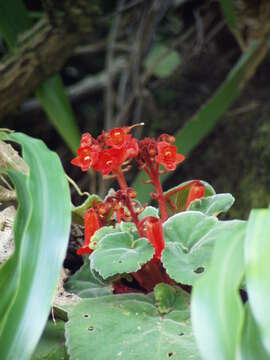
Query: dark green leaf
point(228, 7)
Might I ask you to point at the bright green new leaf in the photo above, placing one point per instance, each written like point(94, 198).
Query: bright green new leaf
point(251, 346)
point(188, 245)
point(148, 211)
point(120, 253)
point(128, 327)
point(257, 250)
point(216, 307)
point(86, 284)
point(41, 236)
point(213, 205)
point(162, 61)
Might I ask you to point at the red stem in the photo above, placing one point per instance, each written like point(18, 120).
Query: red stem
point(120, 178)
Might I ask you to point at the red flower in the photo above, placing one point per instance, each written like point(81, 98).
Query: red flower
point(197, 191)
point(117, 138)
point(91, 225)
point(151, 227)
point(109, 160)
point(87, 157)
point(167, 155)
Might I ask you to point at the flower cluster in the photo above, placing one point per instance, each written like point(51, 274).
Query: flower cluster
point(108, 152)
point(111, 154)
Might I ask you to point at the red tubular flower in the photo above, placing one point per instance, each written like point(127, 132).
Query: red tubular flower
point(167, 155)
point(92, 224)
point(197, 191)
point(151, 227)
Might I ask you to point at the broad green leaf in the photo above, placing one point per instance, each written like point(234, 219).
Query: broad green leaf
point(216, 306)
point(161, 61)
point(213, 205)
point(205, 120)
point(251, 346)
point(100, 234)
point(120, 253)
point(53, 98)
point(180, 197)
point(14, 20)
point(86, 284)
point(52, 343)
point(189, 243)
point(228, 7)
point(257, 250)
point(42, 235)
point(131, 328)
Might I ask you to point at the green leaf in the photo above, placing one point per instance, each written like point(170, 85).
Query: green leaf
point(86, 284)
point(131, 328)
point(205, 120)
point(257, 250)
point(216, 306)
point(149, 211)
point(189, 243)
point(228, 7)
point(14, 20)
point(161, 61)
point(41, 236)
point(180, 197)
point(169, 297)
point(52, 343)
point(213, 205)
point(119, 253)
point(251, 346)
point(53, 98)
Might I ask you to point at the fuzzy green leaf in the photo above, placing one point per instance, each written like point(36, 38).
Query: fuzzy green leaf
point(119, 253)
point(189, 243)
point(216, 307)
point(86, 284)
point(131, 328)
point(169, 297)
point(213, 205)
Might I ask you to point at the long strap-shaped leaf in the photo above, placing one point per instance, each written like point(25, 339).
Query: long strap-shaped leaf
point(216, 308)
point(41, 236)
point(204, 121)
point(14, 20)
point(257, 253)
